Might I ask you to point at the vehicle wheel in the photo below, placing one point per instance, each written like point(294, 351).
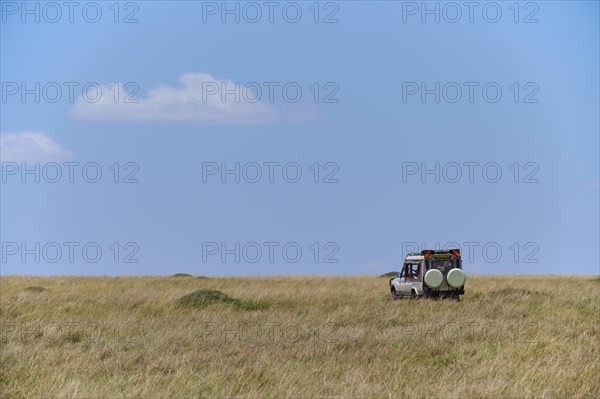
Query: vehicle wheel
point(394, 295)
point(413, 295)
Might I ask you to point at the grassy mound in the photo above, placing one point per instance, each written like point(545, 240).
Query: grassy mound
point(35, 288)
point(205, 297)
point(389, 274)
point(181, 275)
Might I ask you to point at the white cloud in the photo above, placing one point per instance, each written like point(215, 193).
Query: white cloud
point(198, 99)
point(31, 147)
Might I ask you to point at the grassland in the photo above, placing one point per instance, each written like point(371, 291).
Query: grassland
point(513, 337)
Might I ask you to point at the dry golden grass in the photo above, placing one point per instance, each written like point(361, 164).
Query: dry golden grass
point(512, 337)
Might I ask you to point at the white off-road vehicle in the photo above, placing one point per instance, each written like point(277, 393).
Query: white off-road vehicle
point(430, 273)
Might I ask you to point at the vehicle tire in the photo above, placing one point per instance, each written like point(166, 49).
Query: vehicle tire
point(413, 294)
point(456, 278)
point(394, 295)
point(433, 278)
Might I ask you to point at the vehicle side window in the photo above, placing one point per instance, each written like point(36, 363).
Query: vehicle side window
point(412, 271)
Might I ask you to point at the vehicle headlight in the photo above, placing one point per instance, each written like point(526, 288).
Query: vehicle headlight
point(456, 278)
point(434, 278)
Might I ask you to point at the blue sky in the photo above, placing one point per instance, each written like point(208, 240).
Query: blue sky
point(362, 121)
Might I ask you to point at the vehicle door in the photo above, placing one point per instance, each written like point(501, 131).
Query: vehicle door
point(417, 272)
point(405, 282)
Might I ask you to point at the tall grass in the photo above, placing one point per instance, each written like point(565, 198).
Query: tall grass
point(510, 336)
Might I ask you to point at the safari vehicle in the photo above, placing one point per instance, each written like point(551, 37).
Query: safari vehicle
point(430, 273)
